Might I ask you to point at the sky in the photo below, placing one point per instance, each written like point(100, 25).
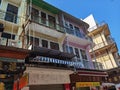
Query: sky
point(107, 11)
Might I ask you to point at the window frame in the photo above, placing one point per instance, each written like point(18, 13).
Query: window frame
point(56, 47)
point(11, 13)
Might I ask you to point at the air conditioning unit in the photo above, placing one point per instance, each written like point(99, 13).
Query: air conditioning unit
point(1, 27)
point(3, 41)
point(14, 43)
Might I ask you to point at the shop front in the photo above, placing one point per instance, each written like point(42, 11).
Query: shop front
point(12, 66)
point(87, 80)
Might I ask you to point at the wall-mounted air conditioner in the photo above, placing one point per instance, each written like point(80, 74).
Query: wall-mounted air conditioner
point(15, 43)
point(3, 41)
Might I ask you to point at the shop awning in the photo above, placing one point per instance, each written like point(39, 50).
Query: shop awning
point(42, 51)
point(88, 76)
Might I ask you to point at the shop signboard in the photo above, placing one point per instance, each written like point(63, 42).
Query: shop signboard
point(87, 84)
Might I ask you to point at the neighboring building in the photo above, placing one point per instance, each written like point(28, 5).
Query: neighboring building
point(56, 42)
point(105, 49)
point(12, 55)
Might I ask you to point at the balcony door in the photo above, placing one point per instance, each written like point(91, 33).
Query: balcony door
point(11, 13)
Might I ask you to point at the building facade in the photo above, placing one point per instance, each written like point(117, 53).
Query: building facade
point(105, 49)
point(12, 54)
point(53, 45)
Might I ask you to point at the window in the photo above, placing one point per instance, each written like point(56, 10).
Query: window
point(77, 32)
point(35, 15)
point(77, 52)
point(54, 45)
point(51, 20)
point(66, 24)
point(35, 12)
point(71, 31)
point(45, 43)
point(83, 54)
point(36, 40)
point(8, 36)
point(71, 26)
point(11, 13)
point(43, 18)
point(69, 49)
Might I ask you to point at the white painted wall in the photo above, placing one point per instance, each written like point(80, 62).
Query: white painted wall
point(91, 21)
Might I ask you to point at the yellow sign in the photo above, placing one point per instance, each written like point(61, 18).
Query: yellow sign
point(87, 84)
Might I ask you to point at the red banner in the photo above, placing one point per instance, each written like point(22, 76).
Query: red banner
point(23, 81)
point(15, 85)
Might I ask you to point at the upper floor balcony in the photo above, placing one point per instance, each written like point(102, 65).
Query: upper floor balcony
point(104, 44)
point(45, 26)
point(101, 27)
point(80, 40)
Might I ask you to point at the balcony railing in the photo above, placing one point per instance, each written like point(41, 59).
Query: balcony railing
point(56, 26)
point(47, 23)
point(103, 44)
point(98, 65)
point(96, 26)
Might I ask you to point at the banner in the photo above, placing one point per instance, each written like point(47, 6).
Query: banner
point(15, 86)
point(23, 81)
point(67, 86)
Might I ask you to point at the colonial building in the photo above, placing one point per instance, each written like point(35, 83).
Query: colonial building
point(105, 49)
point(53, 43)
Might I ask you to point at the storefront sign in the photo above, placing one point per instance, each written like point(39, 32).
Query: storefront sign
point(87, 84)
